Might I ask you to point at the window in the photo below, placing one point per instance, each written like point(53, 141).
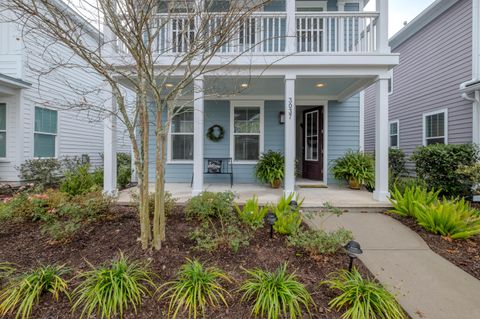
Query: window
point(311, 135)
point(435, 128)
point(45, 135)
point(394, 134)
point(3, 130)
point(390, 83)
point(247, 130)
point(181, 135)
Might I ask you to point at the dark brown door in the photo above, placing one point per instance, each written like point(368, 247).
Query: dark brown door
point(313, 144)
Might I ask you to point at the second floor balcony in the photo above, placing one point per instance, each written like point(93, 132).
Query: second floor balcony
point(267, 33)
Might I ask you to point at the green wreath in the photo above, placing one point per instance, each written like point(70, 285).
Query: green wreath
point(215, 133)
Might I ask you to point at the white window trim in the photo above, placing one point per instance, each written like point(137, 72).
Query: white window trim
point(309, 4)
point(4, 158)
point(233, 105)
point(424, 126)
point(56, 135)
point(390, 135)
point(392, 83)
point(170, 160)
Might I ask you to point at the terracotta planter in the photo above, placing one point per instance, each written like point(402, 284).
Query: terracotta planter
point(354, 184)
point(276, 183)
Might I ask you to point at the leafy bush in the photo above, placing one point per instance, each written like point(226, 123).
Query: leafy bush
point(207, 205)
point(276, 294)
point(194, 289)
point(22, 207)
point(402, 183)
point(470, 176)
point(209, 238)
point(453, 219)
point(437, 165)
point(23, 292)
point(79, 182)
point(406, 204)
point(362, 298)
point(357, 168)
point(124, 177)
point(170, 202)
point(43, 172)
point(251, 213)
point(397, 163)
point(319, 242)
point(97, 176)
point(289, 218)
point(270, 168)
point(109, 290)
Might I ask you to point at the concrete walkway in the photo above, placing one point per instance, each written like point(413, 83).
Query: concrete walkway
point(426, 285)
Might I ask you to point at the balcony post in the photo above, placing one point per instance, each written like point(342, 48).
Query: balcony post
point(198, 130)
point(291, 41)
point(341, 28)
point(382, 27)
point(381, 139)
point(290, 134)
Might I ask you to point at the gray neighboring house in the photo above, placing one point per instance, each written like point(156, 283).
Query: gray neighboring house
point(435, 90)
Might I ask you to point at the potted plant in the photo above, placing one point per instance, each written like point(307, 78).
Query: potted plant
point(270, 168)
point(356, 168)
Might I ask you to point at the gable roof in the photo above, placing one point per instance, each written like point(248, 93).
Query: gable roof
point(420, 21)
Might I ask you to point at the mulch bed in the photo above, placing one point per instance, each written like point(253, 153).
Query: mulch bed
point(462, 253)
point(24, 245)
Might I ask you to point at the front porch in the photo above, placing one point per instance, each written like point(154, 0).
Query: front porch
point(337, 196)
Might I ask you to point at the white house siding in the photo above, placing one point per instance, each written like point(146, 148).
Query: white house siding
point(433, 63)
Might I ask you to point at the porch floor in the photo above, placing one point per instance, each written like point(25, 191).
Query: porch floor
point(314, 197)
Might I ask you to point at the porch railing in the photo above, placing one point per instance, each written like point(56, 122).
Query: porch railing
point(266, 32)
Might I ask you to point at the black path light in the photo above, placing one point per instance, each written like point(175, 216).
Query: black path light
point(270, 219)
point(353, 250)
point(293, 205)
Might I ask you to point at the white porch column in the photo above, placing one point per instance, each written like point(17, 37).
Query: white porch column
point(110, 150)
point(198, 130)
point(291, 44)
point(382, 27)
point(381, 140)
point(290, 125)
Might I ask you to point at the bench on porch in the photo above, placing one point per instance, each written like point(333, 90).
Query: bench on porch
point(218, 166)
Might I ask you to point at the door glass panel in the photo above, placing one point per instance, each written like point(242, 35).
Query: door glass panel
point(311, 136)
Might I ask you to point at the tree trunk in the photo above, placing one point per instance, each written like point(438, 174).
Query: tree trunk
point(159, 218)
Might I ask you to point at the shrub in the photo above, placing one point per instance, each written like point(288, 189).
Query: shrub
point(97, 176)
point(194, 289)
point(42, 172)
point(437, 165)
point(362, 298)
point(289, 218)
point(319, 242)
point(276, 294)
point(78, 182)
point(270, 168)
point(470, 176)
point(170, 202)
point(109, 290)
point(23, 292)
point(406, 204)
point(453, 219)
point(22, 207)
point(124, 176)
point(357, 168)
point(251, 213)
point(397, 163)
point(208, 237)
point(207, 205)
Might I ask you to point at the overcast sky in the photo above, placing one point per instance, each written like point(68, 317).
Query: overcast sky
point(401, 11)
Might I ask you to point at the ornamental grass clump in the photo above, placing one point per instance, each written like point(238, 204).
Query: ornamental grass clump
point(194, 289)
point(276, 294)
point(108, 291)
point(406, 203)
point(23, 292)
point(453, 219)
point(361, 298)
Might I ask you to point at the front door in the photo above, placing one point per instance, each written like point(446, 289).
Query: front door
point(313, 144)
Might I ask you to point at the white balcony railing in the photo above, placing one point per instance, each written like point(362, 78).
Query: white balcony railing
point(266, 33)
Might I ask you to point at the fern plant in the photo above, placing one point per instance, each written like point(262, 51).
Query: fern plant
point(109, 290)
point(453, 219)
point(195, 288)
point(357, 168)
point(406, 203)
point(23, 292)
point(276, 294)
point(362, 298)
point(289, 218)
point(251, 213)
point(271, 168)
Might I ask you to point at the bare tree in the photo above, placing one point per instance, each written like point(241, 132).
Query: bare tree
point(137, 37)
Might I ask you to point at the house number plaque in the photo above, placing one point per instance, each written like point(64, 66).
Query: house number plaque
point(290, 108)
